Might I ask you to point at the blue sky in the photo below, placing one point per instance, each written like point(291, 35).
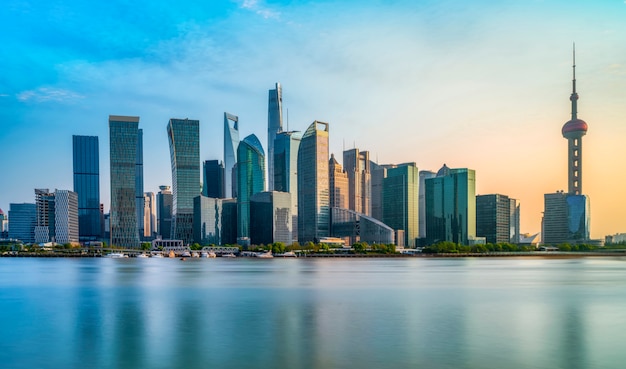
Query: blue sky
point(480, 84)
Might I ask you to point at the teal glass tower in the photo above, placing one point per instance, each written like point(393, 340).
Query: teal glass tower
point(286, 147)
point(274, 127)
point(123, 135)
point(451, 206)
point(183, 135)
point(400, 201)
point(86, 160)
point(250, 180)
point(313, 184)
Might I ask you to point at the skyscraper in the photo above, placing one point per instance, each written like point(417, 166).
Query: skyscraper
point(270, 214)
point(251, 180)
point(274, 127)
point(149, 215)
point(164, 212)
point(184, 142)
point(213, 179)
point(424, 175)
point(286, 147)
point(44, 230)
point(356, 164)
point(231, 143)
point(4, 225)
point(207, 218)
point(313, 184)
point(23, 219)
point(124, 137)
point(400, 201)
point(139, 199)
point(493, 218)
point(87, 186)
point(379, 173)
point(66, 216)
point(451, 206)
point(338, 184)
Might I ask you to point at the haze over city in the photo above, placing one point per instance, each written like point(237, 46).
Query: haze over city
point(469, 84)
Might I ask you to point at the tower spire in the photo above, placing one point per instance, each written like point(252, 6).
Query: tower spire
point(574, 97)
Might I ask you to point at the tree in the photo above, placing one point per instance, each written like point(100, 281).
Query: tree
point(146, 245)
point(195, 246)
point(278, 247)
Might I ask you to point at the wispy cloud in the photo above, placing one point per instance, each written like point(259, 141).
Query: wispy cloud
point(260, 9)
point(48, 94)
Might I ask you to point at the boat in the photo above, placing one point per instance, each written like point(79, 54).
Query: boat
point(289, 254)
point(195, 255)
point(171, 254)
point(116, 255)
point(157, 255)
point(186, 254)
point(143, 255)
point(265, 255)
point(231, 255)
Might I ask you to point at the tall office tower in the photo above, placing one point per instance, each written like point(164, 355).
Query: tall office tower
point(515, 234)
point(274, 127)
point(493, 218)
point(23, 219)
point(123, 133)
point(213, 179)
point(44, 230)
point(270, 212)
point(357, 166)
point(451, 206)
point(66, 221)
point(207, 220)
point(423, 174)
point(400, 201)
point(313, 184)
point(231, 143)
point(251, 179)
point(229, 221)
point(149, 218)
point(139, 185)
point(338, 184)
point(4, 224)
point(379, 173)
point(164, 212)
point(286, 147)
point(184, 142)
point(577, 215)
point(86, 155)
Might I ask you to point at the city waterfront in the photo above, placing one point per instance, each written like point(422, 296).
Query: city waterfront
point(313, 313)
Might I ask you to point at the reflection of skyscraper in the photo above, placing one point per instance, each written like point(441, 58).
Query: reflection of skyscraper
point(124, 142)
point(286, 147)
point(184, 141)
point(231, 142)
point(251, 180)
point(87, 185)
point(164, 212)
point(313, 184)
point(274, 126)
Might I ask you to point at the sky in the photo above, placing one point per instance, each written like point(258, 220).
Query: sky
point(473, 84)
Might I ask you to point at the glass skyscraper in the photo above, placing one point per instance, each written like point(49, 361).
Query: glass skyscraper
point(22, 222)
point(274, 127)
point(250, 180)
point(184, 139)
point(270, 214)
point(213, 179)
point(313, 184)
point(231, 143)
point(285, 158)
point(139, 199)
point(400, 201)
point(356, 164)
point(124, 136)
point(451, 206)
point(493, 218)
point(87, 186)
point(164, 212)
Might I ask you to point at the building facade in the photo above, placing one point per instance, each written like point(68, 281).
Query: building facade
point(400, 201)
point(213, 179)
point(86, 160)
point(231, 143)
point(274, 127)
point(250, 180)
point(23, 219)
point(207, 220)
point(356, 164)
point(358, 227)
point(66, 218)
point(124, 142)
point(313, 184)
point(184, 140)
point(339, 184)
point(286, 147)
point(149, 216)
point(423, 176)
point(45, 227)
point(493, 218)
point(165, 201)
point(4, 225)
point(270, 214)
point(451, 206)
point(139, 198)
point(565, 219)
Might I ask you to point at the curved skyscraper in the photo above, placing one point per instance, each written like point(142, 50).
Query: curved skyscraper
point(184, 142)
point(274, 127)
point(313, 184)
point(231, 142)
point(250, 180)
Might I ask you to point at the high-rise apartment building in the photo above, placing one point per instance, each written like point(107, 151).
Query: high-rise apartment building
point(231, 143)
point(149, 215)
point(286, 146)
point(251, 179)
point(451, 206)
point(424, 175)
point(45, 227)
point(165, 200)
point(400, 201)
point(86, 160)
point(23, 219)
point(338, 184)
point(213, 179)
point(66, 222)
point(184, 139)
point(124, 142)
point(313, 184)
point(274, 127)
point(356, 164)
point(493, 218)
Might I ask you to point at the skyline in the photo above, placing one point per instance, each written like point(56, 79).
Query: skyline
point(481, 85)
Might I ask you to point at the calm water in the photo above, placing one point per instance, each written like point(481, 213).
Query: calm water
point(312, 313)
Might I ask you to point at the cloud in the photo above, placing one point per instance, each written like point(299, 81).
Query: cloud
point(47, 94)
point(254, 6)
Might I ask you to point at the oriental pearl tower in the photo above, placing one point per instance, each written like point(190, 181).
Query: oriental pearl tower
point(573, 131)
